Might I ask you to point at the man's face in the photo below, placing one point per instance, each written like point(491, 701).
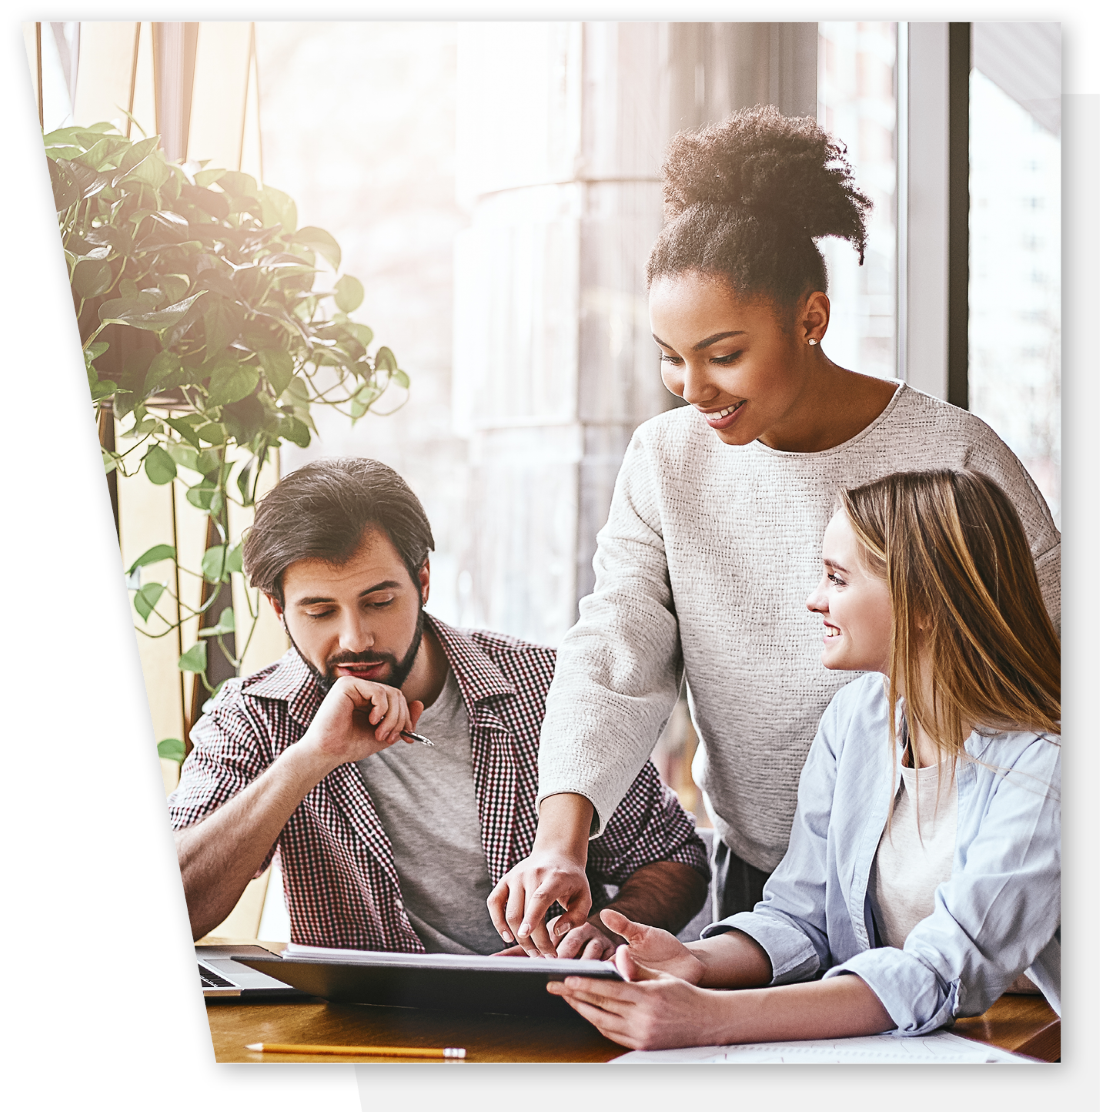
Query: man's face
point(363, 618)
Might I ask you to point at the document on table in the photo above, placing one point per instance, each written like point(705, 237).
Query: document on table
point(941, 1048)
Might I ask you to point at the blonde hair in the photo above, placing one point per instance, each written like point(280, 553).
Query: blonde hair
point(965, 603)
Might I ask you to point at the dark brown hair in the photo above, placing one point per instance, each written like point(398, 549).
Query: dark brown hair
point(321, 512)
point(965, 599)
point(745, 200)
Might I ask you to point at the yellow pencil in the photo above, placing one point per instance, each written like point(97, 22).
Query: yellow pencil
point(373, 1051)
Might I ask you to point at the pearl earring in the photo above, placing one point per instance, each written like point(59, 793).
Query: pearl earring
point(811, 341)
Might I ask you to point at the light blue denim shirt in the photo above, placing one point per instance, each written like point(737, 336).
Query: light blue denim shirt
point(997, 916)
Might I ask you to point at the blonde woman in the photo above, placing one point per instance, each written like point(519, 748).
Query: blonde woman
point(923, 871)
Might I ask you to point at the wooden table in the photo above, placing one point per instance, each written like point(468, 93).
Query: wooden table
point(1023, 1024)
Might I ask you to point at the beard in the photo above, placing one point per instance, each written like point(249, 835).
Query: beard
point(399, 669)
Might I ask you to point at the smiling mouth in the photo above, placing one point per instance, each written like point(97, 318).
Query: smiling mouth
point(718, 418)
point(831, 631)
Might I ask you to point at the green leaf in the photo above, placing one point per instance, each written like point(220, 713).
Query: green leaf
point(360, 331)
point(295, 431)
point(65, 191)
point(221, 321)
point(63, 135)
point(94, 351)
point(92, 278)
point(174, 286)
point(213, 564)
point(184, 428)
point(226, 624)
point(194, 660)
point(244, 483)
point(124, 311)
point(103, 389)
point(146, 598)
point(317, 239)
point(213, 433)
point(299, 388)
point(231, 382)
point(385, 360)
point(278, 208)
point(238, 184)
point(97, 154)
point(150, 171)
point(201, 495)
point(143, 427)
point(349, 294)
point(401, 378)
point(184, 456)
point(171, 749)
point(164, 365)
point(205, 178)
point(159, 466)
point(278, 368)
point(140, 150)
point(209, 460)
point(235, 560)
point(152, 555)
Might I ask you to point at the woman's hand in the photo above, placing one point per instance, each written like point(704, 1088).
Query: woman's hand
point(650, 950)
point(519, 902)
point(659, 1006)
point(657, 1012)
point(554, 871)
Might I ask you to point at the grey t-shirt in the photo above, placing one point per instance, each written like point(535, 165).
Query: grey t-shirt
point(426, 801)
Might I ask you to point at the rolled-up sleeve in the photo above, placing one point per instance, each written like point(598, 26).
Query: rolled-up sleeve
point(648, 825)
point(229, 753)
point(993, 919)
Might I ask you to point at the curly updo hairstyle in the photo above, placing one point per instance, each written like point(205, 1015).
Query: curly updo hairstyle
point(745, 199)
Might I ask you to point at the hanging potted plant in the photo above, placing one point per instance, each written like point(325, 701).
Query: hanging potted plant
point(206, 343)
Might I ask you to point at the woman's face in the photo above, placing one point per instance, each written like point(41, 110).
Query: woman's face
point(728, 358)
point(854, 603)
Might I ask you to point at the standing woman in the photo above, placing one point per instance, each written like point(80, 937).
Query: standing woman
point(709, 546)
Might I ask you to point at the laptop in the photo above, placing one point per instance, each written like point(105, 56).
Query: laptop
point(222, 976)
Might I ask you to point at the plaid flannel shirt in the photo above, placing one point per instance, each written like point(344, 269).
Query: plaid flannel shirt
point(341, 883)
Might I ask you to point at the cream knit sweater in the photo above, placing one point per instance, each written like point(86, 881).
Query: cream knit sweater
point(704, 567)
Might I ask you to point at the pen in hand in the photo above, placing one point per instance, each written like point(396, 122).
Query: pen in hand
point(417, 737)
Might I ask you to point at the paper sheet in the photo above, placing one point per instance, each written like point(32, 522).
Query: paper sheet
point(941, 1048)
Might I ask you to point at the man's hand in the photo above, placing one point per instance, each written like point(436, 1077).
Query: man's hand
point(357, 719)
point(590, 941)
point(219, 855)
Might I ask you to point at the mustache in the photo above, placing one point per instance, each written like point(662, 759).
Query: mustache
point(360, 658)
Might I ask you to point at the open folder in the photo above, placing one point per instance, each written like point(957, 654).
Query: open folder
point(451, 982)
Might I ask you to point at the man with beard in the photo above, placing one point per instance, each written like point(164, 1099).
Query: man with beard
point(385, 842)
